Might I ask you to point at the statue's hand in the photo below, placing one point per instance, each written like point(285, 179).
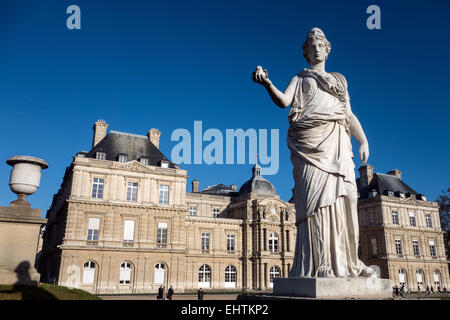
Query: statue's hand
point(364, 152)
point(261, 76)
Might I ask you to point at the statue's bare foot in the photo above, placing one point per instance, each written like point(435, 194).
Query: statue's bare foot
point(325, 272)
point(368, 272)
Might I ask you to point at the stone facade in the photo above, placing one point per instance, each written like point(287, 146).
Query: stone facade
point(219, 241)
point(400, 232)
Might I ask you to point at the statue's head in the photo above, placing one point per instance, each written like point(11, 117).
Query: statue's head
point(316, 47)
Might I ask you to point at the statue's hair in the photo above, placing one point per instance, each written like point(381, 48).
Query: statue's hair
point(308, 41)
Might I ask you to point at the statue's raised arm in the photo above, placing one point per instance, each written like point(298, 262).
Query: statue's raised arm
point(281, 99)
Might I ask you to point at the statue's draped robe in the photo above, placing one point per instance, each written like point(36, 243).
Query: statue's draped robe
point(325, 191)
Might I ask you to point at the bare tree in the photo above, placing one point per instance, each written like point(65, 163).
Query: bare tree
point(444, 213)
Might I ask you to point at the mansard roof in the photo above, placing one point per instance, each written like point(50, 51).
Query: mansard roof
point(134, 146)
point(219, 189)
point(382, 183)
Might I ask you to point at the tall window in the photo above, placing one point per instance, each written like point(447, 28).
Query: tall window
point(437, 277)
point(128, 231)
point(88, 272)
point(163, 194)
point(273, 242)
point(160, 270)
point(373, 242)
point(132, 191)
point(412, 219)
point(432, 248)
point(193, 211)
point(100, 156)
point(125, 273)
point(204, 276)
point(398, 246)
point(371, 218)
point(230, 277)
point(394, 216)
point(402, 276)
point(93, 227)
point(419, 276)
point(428, 220)
point(415, 244)
point(97, 188)
point(161, 234)
point(273, 273)
point(288, 246)
point(215, 212)
point(205, 241)
point(230, 242)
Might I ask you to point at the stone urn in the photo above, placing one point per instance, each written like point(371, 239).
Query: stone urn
point(25, 177)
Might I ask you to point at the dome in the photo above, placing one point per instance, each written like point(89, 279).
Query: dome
point(257, 184)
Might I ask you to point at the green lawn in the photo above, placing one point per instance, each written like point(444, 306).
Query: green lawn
point(43, 292)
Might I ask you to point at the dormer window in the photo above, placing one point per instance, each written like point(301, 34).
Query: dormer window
point(123, 158)
point(144, 161)
point(164, 164)
point(100, 155)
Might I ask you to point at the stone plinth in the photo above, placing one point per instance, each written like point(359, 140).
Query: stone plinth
point(333, 288)
point(19, 240)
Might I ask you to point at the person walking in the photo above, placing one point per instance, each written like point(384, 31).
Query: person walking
point(163, 291)
point(200, 294)
point(170, 293)
point(159, 296)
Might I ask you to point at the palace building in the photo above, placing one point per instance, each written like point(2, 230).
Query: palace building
point(400, 231)
point(123, 223)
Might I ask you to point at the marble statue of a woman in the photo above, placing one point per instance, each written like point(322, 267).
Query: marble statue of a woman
point(321, 123)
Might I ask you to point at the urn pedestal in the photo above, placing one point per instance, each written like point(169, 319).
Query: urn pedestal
point(20, 225)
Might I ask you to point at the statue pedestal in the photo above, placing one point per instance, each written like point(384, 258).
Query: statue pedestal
point(333, 288)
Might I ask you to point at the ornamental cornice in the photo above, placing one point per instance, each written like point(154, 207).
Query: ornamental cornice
point(128, 205)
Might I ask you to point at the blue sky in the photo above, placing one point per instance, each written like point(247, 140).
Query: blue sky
point(144, 64)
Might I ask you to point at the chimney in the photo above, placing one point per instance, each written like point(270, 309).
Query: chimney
point(397, 173)
point(99, 128)
point(233, 187)
point(195, 185)
point(153, 136)
point(365, 175)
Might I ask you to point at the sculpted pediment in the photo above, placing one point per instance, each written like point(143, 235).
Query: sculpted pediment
point(136, 166)
point(410, 201)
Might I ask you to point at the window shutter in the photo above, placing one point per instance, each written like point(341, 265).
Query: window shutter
point(128, 232)
point(436, 277)
point(94, 223)
point(162, 225)
point(88, 276)
point(401, 277)
point(125, 274)
point(419, 276)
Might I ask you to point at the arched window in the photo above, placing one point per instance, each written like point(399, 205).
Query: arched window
point(402, 276)
point(419, 276)
point(125, 273)
point(230, 277)
point(204, 276)
point(89, 272)
point(437, 277)
point(273, 242)
point(160, 270)
point(274, 273)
